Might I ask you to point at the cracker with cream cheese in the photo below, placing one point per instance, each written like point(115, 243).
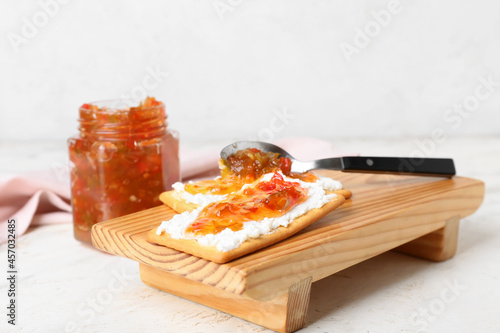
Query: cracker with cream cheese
point(228, 244)
point(181, 201)
point(192, 246)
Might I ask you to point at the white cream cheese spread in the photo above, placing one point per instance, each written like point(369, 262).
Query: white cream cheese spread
point(198, 199)
point(228, 239)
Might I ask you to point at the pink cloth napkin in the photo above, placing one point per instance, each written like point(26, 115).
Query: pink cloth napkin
point(43, 197)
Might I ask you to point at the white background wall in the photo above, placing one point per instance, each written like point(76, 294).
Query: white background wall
point(226, 68)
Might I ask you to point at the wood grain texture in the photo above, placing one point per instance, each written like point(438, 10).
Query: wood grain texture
point(286, 313)
point(297, 304)
point(438, 245)
point(385, 212)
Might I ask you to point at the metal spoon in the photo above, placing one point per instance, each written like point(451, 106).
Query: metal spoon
point(439, 167)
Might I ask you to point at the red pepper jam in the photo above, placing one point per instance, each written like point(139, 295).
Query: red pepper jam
point(273, 198)
point(251, 163)
point(121, 161)
point(244, 167)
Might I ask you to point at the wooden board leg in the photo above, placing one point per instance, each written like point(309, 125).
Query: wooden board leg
point(297, 304)
point(286, 313)
point(439, 245)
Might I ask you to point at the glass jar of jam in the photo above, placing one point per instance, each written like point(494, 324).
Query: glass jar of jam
point(120, 162)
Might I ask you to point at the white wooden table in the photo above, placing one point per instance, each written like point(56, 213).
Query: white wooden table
point(65, 286)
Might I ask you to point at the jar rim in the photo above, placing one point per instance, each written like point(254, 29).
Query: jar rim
point(118, 104)
point(122, 117)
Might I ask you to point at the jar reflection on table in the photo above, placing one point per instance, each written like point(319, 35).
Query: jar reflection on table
point(120, 162)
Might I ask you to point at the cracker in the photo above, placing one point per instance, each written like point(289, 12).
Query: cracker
point(211, 253)
point(174, 201)
point(343, 192)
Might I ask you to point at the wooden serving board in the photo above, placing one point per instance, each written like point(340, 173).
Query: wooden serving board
point(414, 215)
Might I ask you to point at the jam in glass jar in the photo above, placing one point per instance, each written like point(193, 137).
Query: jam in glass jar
point(120, 162)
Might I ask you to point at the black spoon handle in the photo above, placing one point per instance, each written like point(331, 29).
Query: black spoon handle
point(440, 167)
